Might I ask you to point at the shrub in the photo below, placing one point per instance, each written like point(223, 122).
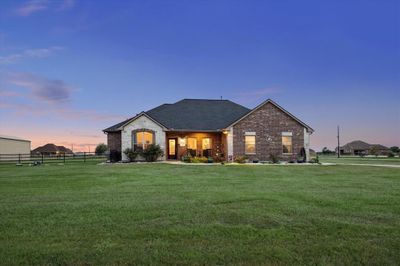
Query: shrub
point(131, 154)
point(199, 160)
point(152, 153)
point(218, 159)
point(390, 155)
point(274, 158)
point(101, 149)
point(240, 159)
point(186, 159)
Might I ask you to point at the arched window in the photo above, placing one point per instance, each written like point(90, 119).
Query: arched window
point(142, 139)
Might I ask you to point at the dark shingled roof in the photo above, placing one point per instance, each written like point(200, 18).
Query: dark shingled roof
point(194, 114)
point(361, 145)
point(51, 148)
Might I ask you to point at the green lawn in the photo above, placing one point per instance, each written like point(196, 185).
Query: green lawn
point(173, 214)
point(359, 160)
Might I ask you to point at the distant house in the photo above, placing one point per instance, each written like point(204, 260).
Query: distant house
point(14, 145)
point(213, 128)
point(359, 147)
point(51, 149)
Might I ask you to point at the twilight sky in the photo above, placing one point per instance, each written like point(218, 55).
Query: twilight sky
point(70, 68)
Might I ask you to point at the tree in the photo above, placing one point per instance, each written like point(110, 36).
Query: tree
point(101, 149)
point(374, 151)
point(395, 149)
point(325, 150)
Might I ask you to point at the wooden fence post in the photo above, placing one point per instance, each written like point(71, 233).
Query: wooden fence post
point(64, 157)
point(19, 158)
point(84, 157)
point(42, 158)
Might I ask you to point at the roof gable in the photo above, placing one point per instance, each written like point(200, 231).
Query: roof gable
point(119, 126)
point(277, 106)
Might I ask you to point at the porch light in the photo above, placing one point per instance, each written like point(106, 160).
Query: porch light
point(225, 132)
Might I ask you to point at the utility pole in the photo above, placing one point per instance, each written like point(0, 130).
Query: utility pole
point(338, 142)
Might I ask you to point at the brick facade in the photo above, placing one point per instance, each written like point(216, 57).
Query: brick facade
point(268, 122)
point(114, 141)
point(114, 146)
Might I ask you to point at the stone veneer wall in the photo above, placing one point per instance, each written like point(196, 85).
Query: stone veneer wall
point(141, 122)
point(268, 122)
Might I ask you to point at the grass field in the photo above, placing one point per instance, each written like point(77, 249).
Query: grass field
point(359, 160)
point(175, 214)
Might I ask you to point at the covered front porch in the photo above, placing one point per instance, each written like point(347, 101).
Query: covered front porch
point(196, 144)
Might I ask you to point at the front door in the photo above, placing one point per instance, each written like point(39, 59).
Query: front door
point(172, 149)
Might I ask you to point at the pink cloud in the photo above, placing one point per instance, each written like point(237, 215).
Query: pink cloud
point(45, 89)
point(65, 113)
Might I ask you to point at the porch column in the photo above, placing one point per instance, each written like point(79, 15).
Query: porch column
point(229, 140)
point(307, 144)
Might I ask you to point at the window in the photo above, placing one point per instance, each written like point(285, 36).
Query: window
point(143, 139)
point(206, 144)
point(250, 144)
point(192, 144)
point(287, 142)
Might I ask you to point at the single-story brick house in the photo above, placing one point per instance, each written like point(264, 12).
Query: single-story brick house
point(358, 147)
point(213, 128)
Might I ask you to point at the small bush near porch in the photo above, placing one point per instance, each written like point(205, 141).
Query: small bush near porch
point(186, 214)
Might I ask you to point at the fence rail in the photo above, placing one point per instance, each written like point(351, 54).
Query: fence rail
point(50, 158)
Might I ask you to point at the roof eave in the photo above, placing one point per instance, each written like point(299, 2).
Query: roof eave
point(194, 130)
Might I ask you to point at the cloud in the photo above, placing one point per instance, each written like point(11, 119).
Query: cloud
point(72, 114)
point(8, 94)
point(35, 6)
point(66, 5)
point(53, 91)
point(31, 7)
point(29, 54)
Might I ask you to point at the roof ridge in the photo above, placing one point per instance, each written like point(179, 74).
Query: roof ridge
point(198, 99)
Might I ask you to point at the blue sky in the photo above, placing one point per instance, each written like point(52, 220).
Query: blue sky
point(70, 68)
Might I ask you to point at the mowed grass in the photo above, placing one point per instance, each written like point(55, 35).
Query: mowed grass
point(345, 159)
point(175, 214)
